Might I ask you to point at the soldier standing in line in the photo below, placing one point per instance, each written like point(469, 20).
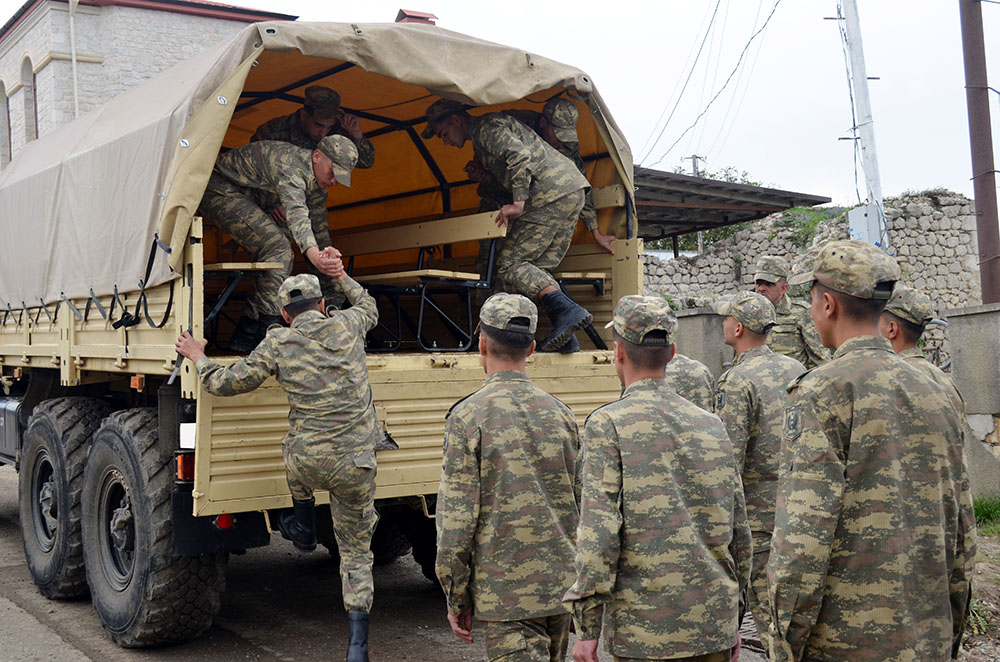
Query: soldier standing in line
point(874, 533)
point(507, 508)
point(793, 334)
point(663, 547)
point(292, 174)
point(903, 322)
point(320, 363)
point(751, 402)
point(547, 193)
point(692, 380)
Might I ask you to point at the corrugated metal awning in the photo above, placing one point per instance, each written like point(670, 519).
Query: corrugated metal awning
point(670, 204)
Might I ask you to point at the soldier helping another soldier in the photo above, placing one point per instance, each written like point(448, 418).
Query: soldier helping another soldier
point(294, 175)
point(507, 508)
point(320, 363)
point(547, 193)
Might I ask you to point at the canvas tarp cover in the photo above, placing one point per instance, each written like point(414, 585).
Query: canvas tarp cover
point(81, 206)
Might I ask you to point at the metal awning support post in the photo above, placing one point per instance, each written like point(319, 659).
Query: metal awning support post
point(981, 143)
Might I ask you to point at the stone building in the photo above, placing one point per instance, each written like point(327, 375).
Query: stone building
point(117, 44)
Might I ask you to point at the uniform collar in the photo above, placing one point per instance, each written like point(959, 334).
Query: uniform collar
point(307, 317)
point(751, 353)
point(645, 385)
point(863, 342)
point(507, 376)
point(784, 305)
point(913, 352)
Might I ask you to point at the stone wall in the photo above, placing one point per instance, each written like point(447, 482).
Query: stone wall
point(933, 235)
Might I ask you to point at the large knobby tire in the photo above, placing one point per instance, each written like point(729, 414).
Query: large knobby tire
point(388, 542)
point(143, 594)
point(56, 444)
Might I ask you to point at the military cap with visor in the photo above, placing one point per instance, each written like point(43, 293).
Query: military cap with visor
point(324, 102)
point(299, 288)
point(750, 309)
point(770, 268)
point(436, 112)
point(344, 154)
point(852, 267)
point(645, 321)
point(509, 312)
point(562, 115)
point(911, 305)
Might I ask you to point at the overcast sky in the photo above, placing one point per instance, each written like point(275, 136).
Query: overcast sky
point(782, 114)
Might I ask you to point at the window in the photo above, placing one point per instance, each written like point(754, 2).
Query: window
point(4, 127)
point(30, 101)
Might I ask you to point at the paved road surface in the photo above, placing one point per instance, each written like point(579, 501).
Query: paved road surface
point(280, 606)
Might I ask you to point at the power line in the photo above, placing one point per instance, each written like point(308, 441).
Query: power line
point(731, 74)
point(690, 73)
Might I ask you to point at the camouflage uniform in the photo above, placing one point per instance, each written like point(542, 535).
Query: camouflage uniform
point(795, 334)
point(507, 508)
point(874, 533)
point(320, 363)
point(692, 380)
point(750, 400)
point(282, 170)
point(664, 549)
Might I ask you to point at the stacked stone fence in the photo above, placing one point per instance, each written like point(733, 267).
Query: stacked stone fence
point(932, 234)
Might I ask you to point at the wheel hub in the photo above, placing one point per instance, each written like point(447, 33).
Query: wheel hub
point(47, 505)
point(118, 530)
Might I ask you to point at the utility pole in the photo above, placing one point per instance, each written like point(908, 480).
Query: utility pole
point(981, 141)
point(694, 171)
point(869, 223)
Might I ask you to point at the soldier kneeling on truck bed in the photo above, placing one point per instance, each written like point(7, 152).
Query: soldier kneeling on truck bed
point(247, 174)
point(320, 363)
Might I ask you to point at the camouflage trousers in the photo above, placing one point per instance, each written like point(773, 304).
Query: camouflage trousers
point(536, 243)
point(235, 211)
point(350, 478)
point(542, 639)
point(721, 656)
point(758, 601)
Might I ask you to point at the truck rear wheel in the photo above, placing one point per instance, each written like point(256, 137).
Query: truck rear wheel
point(144, 594)
point(55, 450)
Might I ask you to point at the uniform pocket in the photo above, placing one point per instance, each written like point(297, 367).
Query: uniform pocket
point(365, 460)
point(509, 645)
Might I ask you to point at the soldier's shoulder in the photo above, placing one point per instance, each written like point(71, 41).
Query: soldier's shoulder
point(470, 404)
point(606, 412)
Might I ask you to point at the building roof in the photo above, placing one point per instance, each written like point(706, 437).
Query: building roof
point(193, 7)
point(670, 204)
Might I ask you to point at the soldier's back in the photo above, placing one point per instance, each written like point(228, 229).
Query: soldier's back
point(692, 380)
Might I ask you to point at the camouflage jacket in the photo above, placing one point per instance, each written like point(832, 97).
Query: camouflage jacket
point(692, 380)
point(494, 196)
point(750, 400)
point(874, 535)
point(664, 549)
point(520, 162)
point(281, 170)
point(795, 335)
point(320, 363)
point(916, 358)
point(288, 129)
point(507, 508)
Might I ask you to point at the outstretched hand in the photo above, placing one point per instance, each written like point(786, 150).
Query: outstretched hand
point(190, 348)
point(605, 241)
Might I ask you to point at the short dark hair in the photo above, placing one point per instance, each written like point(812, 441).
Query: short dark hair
point(507, 345)
point(645, 358)
point(861, 310)
point(296, 308)
point(911, 332)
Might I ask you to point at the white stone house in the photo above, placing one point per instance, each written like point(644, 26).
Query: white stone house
point(116, 43)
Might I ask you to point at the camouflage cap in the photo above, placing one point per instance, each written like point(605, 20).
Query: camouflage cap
point(296, 289)
point(510, 312)
point(324, 102)
point(852, 267)
point(638, 319)
point(749, 309)
point(344, 155)
point(436, 112)
point(911, 305)
point(770, 268)
point(562, 115)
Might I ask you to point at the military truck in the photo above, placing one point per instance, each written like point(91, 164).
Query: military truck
point(134, 483)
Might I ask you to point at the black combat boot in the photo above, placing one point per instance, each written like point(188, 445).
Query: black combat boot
point(572, 346)
point(567, 316)
point(299, 524)
point(357, 636)
point(245, 335)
